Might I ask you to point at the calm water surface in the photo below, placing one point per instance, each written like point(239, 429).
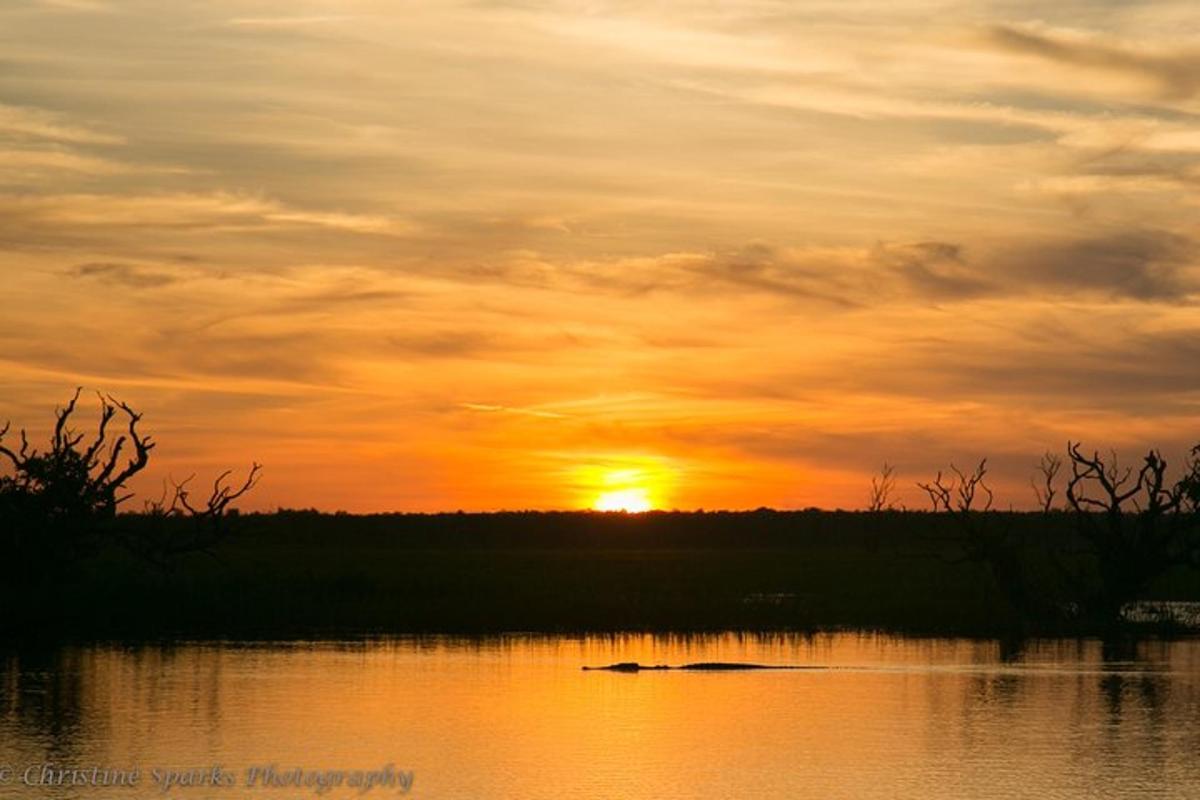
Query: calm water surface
point(517, 718)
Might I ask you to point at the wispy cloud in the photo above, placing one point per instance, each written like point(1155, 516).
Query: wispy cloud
point(1176, 74)
point(1142, 264)
point(91, 6)
point(288, 22)
point(27, 161)
point(215, 210)
point(130, 275)
point(37, 123)
point(491, 408)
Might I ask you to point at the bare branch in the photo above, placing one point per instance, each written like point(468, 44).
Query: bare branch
point(181, 496)
point(107, 410)
point(63, 414)
point(142, 446)
point(4, 451)
point(882, 488)
point(1044, 489)
point(969, 485)
point(939, 493)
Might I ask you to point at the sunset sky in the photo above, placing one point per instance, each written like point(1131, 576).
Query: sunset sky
point(431, 255)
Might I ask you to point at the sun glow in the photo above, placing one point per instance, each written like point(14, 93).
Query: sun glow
point(632, 500)
point(631, 483)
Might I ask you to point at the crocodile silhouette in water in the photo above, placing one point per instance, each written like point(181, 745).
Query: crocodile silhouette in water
point(700, 666)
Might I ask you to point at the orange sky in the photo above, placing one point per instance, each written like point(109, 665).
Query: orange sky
point(435, 256)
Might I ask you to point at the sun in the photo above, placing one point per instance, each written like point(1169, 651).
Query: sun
point(623, 482)
point(631, 500)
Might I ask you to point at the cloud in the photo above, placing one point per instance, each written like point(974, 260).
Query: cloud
point(920, 447)
point(123, 274)
point(755, 268)
point(491, 408)
point(23, 161)
point(357, 223)
point(252, 352)
point(35, 123)
point(447, 344)
point(644, 37)
point(933, 270)
point(1177, 74)
point(287, 22)
point(760, 268)
point(1143, 373)
point(1136, 264)
point(327, 300)
point(183, 211)
point(482, 343)
point(79, 5)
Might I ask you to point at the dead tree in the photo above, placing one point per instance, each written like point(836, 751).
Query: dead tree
point(1138, 524)
point(59, 505)
point(970, 485)
point(958, 493)
point(1189, 484)
point(883, 487)
point(186, 524)
point(983, 539)
point(60, 501)
point(1043, 482)
point(939, 492)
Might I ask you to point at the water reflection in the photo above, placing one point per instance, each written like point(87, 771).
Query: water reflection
point(42, 700)
point(516, 717)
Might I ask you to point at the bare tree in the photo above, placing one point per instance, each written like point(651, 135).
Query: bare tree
point(58, 502)
point(939, 492)
point(984, 539)
point(73, 477)
point(1139, 524)
point(61, 504)
point(1189, 484)
point(883, 487)
point(970, 485)
point(1043, 482)
point(958, 493)
point(186, 524)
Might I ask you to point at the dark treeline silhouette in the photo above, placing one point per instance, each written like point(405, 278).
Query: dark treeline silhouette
point(305, 574)
point(189, 565)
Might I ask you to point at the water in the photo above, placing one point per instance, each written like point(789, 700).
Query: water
point(517, 718)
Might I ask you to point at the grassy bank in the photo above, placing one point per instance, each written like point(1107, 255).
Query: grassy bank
point(309, 575)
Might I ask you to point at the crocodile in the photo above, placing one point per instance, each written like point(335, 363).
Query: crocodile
point(700, 666)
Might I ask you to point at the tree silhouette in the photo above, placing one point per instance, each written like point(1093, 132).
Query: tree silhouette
point(208, 522)
point(958, 493)
point(1139, 525)
point(986, 539)
point(61, 502)
point(60, 505)
point(883, 487)
point(1043, 483)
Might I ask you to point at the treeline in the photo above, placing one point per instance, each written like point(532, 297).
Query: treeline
point(187, 564)
point(307, 575)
